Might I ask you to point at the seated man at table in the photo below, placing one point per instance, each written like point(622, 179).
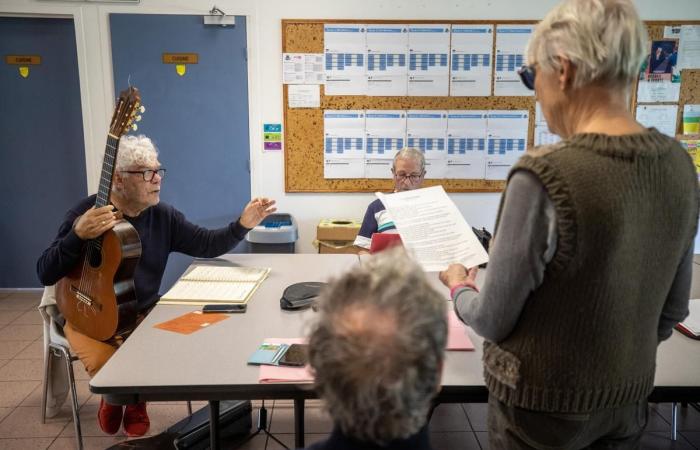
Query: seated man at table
point(162, 229)
point(377, 351)
point(408, 170)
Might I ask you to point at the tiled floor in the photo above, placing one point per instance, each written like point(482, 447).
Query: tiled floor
point(453, 426)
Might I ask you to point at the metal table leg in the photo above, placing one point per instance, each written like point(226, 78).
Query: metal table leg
point(214, 425)
point(299, 423)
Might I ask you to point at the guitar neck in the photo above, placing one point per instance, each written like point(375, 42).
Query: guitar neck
point(107, 171)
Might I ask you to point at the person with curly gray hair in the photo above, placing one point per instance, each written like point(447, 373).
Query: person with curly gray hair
point(377, 350)
point(584, 278)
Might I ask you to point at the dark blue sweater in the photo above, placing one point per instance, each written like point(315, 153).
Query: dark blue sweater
point(162, 229)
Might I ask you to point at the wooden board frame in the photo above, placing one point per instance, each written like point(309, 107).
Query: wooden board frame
point(303, 127)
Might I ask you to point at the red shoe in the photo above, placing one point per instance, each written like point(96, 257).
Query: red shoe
point(136, 422)
point(109, 417)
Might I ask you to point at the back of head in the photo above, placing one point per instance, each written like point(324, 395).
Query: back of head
point(377, 348)
point(136, 151)
point(604, 39)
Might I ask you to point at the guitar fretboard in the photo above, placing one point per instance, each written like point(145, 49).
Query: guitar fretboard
point(107, 171)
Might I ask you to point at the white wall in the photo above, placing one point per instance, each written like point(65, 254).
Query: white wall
point(265, 46)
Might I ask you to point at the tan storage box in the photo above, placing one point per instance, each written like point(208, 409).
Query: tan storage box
point(337, 235)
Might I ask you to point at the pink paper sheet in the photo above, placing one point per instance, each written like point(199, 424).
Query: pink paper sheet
point(285, 374)
point(457, 338)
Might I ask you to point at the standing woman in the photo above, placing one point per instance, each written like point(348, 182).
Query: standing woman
point(592, 258)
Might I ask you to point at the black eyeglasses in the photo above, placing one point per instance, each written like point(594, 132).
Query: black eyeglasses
point(147, 174)
point(527, 76)
point(412, 177)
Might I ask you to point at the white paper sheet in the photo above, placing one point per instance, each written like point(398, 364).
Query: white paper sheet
point(689, 48)
point(507, 141)
point(543, 136)
point(302, 68)
point(345, 58)
point(470, 60)
point(344, 144)
point(466, 144)
point(432, 229)
point(428, 63)
point(387, 60)
point(511, 41)
point(662, 117)
point(304, 95)
point(427, 132)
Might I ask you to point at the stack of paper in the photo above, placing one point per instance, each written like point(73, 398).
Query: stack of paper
point(285, 374)
point(212, 284)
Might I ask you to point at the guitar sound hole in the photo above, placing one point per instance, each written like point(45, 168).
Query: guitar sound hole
point(95, 258)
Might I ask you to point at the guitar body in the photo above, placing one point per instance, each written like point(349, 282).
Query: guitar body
point(97, 297)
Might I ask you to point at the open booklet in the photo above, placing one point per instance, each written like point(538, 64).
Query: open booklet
point(433, 229)
point(215, 284)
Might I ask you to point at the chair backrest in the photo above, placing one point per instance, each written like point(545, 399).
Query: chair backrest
point(53, 331)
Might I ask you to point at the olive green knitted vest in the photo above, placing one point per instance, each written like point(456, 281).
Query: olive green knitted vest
point(626, 211)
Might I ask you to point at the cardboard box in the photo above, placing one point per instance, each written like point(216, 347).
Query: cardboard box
point(337, 229)
point(337, 247)
point(337, 235)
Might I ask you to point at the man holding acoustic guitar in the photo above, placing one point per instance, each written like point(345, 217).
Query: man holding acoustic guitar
point(130, 198)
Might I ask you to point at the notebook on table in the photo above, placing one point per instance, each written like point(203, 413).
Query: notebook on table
point(215, 284)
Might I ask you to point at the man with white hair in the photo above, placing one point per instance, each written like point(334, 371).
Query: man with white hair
point(377, 351)
point(408, 170)
point(135, 197)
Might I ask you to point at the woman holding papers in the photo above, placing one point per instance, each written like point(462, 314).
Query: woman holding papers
point(584, 278)
point(408, 170)
point(162, 229)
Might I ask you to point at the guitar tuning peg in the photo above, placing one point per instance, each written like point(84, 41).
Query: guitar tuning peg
point(142, 109)
point(134, 127)
point(138, 118)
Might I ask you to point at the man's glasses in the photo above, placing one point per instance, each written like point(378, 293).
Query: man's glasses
point(147, 174)
point(412, 177)
point(527, 76)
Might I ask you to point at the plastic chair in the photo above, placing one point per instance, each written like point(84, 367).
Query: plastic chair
point(57, 348)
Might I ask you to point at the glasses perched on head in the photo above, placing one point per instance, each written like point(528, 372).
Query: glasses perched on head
point(412, 177)
point(148, 174)
point(527, 76)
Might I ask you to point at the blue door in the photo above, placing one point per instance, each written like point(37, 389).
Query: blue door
point(197, 119)
point(42, 152)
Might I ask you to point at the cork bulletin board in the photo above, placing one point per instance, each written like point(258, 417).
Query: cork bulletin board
point(303, 127)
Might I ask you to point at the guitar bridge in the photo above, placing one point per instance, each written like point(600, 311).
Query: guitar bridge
point(82, 297)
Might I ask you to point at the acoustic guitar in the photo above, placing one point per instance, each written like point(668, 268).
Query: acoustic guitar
point(97, 297)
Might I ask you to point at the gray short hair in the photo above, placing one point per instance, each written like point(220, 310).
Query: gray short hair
point(411, 153)
point(136, 151)
point(377, 348)
point(604, 39)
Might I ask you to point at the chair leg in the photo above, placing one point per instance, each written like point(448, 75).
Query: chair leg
point(74, 398)
point(674, 421)
point(47, 372)
point(189, 407)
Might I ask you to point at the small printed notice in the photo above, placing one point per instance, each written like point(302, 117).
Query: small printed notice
point(426, 130)
point(304, 95)
point(661, 117)
point(471, 60)
point(543, 136)
point(385, 133)
point(466, 144)
point(507, 141)
point(303, 68)
point(428, 60)
point(344, 144)
point(689, 47)
point(387, 60)
point(660, 77)
point(272, 136)
point(345, 59)
point(511, 41)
